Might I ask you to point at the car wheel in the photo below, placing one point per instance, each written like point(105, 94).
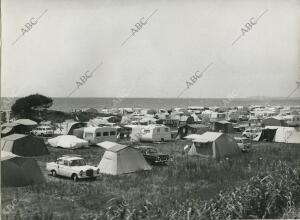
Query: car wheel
point(74, 177)
point(53, 173)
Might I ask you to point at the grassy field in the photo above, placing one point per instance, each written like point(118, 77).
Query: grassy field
point(175, 191)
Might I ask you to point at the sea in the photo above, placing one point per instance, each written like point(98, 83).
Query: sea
point(70, 104)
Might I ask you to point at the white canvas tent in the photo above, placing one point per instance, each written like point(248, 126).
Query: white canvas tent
point(26, 122)
point(283, 134)
point(193, 136)
point(119, 159)
point(214, 144)
point(68, 141)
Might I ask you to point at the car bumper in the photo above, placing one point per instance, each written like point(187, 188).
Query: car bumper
point(87, 177)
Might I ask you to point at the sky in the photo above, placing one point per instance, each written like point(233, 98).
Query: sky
point(180, 38)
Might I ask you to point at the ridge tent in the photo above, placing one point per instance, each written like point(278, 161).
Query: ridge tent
point(267, 134)
point(68, 141)
point(19, 171)
point(78, 132)
point(224, 126)
point(24, 145)
point(26, 122)
point(13, 128)
point(282, 134)
point(215, 145)
point(67, 128)
point(119, 159)
point(185, 130)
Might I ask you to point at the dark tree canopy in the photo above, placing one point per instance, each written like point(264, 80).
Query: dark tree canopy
point(27, 106)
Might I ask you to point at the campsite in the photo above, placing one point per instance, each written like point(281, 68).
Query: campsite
point(164, 193)
point(212, 164)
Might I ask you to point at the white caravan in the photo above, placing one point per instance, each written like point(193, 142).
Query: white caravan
point(96, 135)
point(155, 133)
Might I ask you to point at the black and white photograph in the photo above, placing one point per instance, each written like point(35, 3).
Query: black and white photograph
point(150, 109)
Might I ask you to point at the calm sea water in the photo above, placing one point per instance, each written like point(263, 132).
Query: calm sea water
point(67, 104)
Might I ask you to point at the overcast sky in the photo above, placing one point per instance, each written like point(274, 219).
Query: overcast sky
point(181, 37)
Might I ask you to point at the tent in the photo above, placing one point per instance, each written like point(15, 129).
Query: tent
point(283, 135)
point(13, 128)
point(67, 128)
point(185, 130)
point(19, 171)
point(24, 145)
point(215, 145)
point(267, 135)
point(68, 141)
point(223, 126)
point(78, 132)
point(26, 122)
point(119, 159)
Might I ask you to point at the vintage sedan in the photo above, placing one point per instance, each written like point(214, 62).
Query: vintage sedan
point(152, 155)
point(72, 166)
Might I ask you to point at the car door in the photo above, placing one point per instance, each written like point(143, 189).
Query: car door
point(63, 168)
point(60, 164)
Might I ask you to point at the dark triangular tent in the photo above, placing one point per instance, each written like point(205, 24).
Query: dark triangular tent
point(78, 132)
point(224, 126)
point(13, 128)
point(19, 171)
point(267, 135)
point(24, 145)
point(185, 130)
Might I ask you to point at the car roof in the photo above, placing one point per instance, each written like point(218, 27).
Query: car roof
point(240, 138)
point(71, 157)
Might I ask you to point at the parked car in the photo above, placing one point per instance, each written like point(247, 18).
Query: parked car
point(72, 166)
point(251, 132)
point(43, 131)
point(243, 143)
point(152, 155)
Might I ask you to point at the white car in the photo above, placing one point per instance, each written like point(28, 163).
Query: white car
point(251, 132)
point(72, 166)
point(43, 131)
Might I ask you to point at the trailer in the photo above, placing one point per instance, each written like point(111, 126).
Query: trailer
point(96, 135)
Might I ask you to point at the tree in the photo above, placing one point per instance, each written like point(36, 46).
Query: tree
point(28, 106)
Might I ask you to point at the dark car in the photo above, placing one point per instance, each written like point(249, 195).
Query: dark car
point(152, 155)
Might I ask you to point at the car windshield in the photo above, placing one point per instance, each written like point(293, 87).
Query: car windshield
point(78, 162)
point(152, 151)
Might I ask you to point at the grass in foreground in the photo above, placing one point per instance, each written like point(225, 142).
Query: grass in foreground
point(185, 188)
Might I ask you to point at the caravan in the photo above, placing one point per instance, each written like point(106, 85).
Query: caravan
point(96, 135)
point(155, 132)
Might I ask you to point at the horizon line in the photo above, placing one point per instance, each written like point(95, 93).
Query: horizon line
point(251, 97)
